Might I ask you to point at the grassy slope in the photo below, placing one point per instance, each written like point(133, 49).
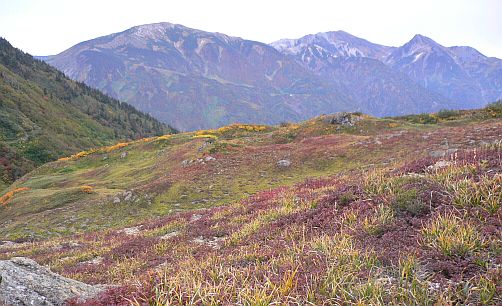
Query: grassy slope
point(401, 234)
point(44, 115)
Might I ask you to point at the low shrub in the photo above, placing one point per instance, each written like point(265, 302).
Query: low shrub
point(494, 109)
point(86, 189)
point(205, 136)
point(5, 199)
point(447, 114)
point(485, 193)
point(408, 201)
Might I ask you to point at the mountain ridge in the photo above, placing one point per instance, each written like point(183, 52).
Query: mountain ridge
point(195, 79)
point(231, 73)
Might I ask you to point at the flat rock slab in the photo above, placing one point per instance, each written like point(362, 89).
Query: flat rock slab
point(24, 282)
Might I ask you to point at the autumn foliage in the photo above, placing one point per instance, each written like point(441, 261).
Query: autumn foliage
point(233, 128)
point(86, 189)
point(112, 148)
point(4, 200)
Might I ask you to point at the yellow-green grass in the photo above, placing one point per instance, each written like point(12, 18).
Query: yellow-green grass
point(245, 164)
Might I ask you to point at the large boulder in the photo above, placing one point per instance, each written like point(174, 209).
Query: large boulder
point(342, 118)
point(24, 282)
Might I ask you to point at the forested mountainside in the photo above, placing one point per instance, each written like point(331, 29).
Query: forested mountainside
point(44, 115)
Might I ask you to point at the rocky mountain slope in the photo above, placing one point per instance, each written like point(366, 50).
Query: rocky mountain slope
point(461, 74)
point(345, 207)
point(194, 79)
point(460, 77)
point(44, 115)
point(331, 44)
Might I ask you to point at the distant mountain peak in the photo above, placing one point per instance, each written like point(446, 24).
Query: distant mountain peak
point(421, 41)
point(147, 32)
point(153, 30)
point(418, 47)
point(336, 43)
point(340, 36)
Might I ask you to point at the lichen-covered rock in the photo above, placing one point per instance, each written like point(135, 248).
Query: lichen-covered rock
point(24, 282)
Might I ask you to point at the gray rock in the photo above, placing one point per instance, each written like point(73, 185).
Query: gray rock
point(123, 154)
point(440, 164)
point(195, 217)
point(214, 242)
point(127, 195)
point(450, 151)
point(186, 162)
point(204, 145)
point(69, 245)
point(342, 118)
point(131, 230)
point(8, 244)
point(169, 235)
point(95, 261)
point(24, 282)
point(442, 152)
point(209, 158)
point(437, 153)
point(284, 163)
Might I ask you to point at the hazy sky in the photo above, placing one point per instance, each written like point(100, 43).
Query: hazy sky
point(50, 26)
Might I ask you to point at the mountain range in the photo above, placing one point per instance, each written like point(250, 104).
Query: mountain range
point(44, 115)
point(194, 79)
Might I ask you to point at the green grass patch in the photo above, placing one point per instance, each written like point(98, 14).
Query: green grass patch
point(452, 236)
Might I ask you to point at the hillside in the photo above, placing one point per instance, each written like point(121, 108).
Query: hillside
point(44, 115)
point(343, 209)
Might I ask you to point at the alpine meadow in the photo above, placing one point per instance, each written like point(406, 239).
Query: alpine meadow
point(166, 165)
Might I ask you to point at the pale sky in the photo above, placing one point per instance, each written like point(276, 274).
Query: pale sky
point(47, 27)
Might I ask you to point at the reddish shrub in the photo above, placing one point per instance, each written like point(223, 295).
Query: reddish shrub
point(133, 248)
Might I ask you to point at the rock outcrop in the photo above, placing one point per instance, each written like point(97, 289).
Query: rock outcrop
point(24, 282)
point(342, 118)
